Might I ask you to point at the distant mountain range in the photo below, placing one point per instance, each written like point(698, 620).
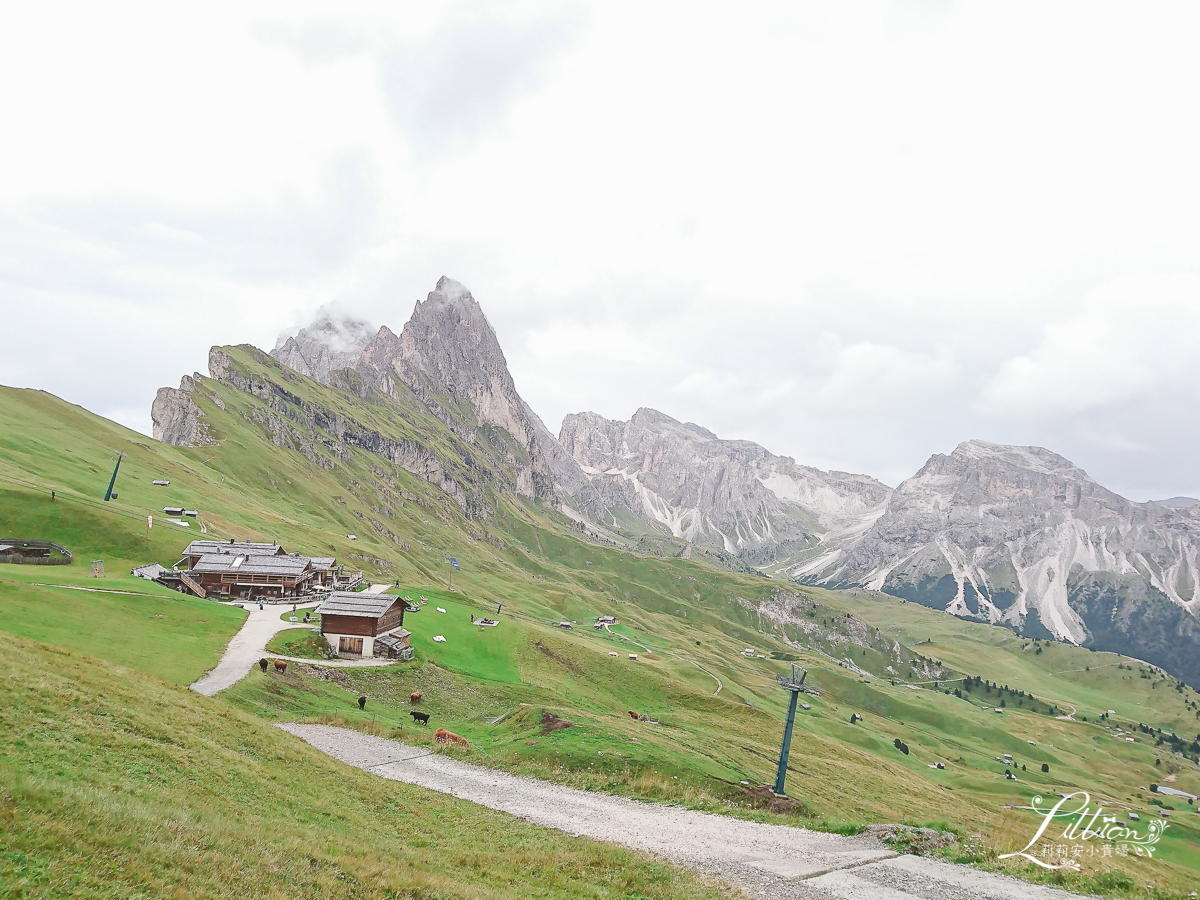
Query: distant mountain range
point(1016, 536)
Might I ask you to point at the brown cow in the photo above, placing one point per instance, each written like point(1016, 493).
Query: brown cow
point(415, 697)
point(281, 666)
point(442, 736)
point(634, 715)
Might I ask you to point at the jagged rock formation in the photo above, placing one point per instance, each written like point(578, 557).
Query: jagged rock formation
point(1023, 537)
point(328, 344)
point(175, 417)
point(448, 356)
point(733, 494)
point(446, 362)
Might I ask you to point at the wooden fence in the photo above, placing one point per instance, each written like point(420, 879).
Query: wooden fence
point(17, 552)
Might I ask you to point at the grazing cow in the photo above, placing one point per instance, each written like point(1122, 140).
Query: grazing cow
point(421, 717)
point(633, 715)
point(362, 702)
point(414, 697)
point(262, 664)
point(442, 736)
point(281, 666)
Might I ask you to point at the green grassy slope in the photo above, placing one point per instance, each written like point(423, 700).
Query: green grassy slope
point(115, 784)
point(164, 634)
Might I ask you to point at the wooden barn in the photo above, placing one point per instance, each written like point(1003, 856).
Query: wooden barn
point(365, 625)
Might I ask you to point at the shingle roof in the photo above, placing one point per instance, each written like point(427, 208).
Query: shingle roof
point(242, 548)
point(348, 603)
point(394, 639)
point(323, 562)
point(251, 565)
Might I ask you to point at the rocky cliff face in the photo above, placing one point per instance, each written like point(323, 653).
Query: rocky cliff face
point(733, 494)
point(1021, 536)
point(328, 344)
point(175, 417)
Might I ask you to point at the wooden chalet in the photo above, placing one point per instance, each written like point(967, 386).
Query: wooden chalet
point(246, 570)
point(326, 572)
point(251, 577)
point(365, 625)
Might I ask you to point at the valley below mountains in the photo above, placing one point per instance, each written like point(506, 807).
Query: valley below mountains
point(1013, 536)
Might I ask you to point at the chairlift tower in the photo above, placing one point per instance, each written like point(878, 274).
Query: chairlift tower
point(795, 684)
point(108, 495)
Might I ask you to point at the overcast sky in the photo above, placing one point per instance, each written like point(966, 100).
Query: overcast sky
point(854, 233)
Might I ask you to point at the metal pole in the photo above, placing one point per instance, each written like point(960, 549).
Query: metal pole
point(787, 745)
point(113, 481)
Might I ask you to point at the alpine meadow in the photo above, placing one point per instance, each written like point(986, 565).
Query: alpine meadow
point(630, 656)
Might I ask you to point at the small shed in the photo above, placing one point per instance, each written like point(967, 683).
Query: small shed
point(353, 623)
point(394, 645)
point(150, 571)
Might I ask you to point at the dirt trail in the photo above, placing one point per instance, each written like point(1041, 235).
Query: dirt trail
point(621, 637)
point(771, 862)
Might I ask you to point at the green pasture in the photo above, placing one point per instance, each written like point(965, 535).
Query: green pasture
point(478, 651)
point(1070, 676)
point(116, 784)
point(167, 635)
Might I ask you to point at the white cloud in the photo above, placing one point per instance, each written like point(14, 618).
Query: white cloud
point(449, 88)
point(1132, 339)
point(867, 378)
point(857, 234)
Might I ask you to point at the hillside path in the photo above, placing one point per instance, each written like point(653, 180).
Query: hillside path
point(247, 647)
point(771, 862)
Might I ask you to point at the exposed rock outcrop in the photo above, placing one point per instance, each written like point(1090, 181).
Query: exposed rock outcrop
point(446, 362)
point(448, 356)
point(176, 419)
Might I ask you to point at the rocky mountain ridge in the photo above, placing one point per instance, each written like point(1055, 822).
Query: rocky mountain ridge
point(328, 344)
point(446, 361)
point(1022, 537)
point(684, 479)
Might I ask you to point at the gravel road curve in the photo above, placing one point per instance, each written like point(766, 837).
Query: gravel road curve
point(772, 862)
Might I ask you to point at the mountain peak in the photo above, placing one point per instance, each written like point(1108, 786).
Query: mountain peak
point(1036, 459)
point(652, 419)
point(333, 341)
point(733, 495)
point(450, 290)
point(1179, 502)
point(449, 356)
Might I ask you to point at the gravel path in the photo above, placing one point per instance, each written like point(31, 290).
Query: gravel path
point(246, 648)
point(249, 645)
point(772, 862)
